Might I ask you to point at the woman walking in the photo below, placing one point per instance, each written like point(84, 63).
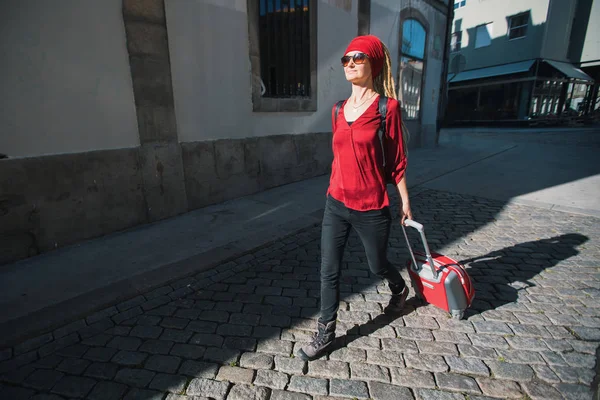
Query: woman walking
point(357, 196)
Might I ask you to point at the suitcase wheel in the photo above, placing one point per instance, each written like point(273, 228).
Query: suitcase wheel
point(458, 314)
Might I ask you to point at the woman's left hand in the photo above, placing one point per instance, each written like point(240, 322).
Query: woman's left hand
point(405, 212)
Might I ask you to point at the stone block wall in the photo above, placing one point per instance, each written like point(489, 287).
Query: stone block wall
point(50, 202)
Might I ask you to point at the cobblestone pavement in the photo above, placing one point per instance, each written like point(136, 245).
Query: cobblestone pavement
point(230, 333)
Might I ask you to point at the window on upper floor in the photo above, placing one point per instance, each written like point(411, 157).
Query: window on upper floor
point(483, 35)
point(456, 41)
point(459, 3)
point(517, 25)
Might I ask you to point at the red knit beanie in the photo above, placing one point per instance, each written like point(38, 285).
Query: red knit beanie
point(372, 47)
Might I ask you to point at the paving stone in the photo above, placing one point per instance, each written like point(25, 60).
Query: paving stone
point(490, 341)
point(129, 358)
point(205, 339)
point(280, 321)
point(256, 361)
point(457, 383)
point(134, 377)
point(146, 332)
point(125, 343)
point(553, 358)
point(400, 345)
point(247, 392)
point(159, 363)
point(385, 357)
point(451, 337)
point(235, 374)
point(304, 384)
point(348, 355)
point(73, 366)
point(328, 369)
point(208, 388)
point(244, 319)
point(176, 335)
point(449, 324)
point(541, 391)
point(574, 392)
point(580, 360)
point(349, 388)
point(363, 342)
point(583, 346)
point(280, 395)
point(55, 345)
point(383, 391)
point(221, 356)
point(492, 328)
point(500, 389)
point(521, 357)
point(202, 326)
point(100, 354)
point(414, 333)
point(558, 345)
point(501, 316)
point(31, 344)
point(97, 340)
point(369, 372)
point(239, 343)
point(199, 369)
point(43, 379)
point(544, 373)
point(467, 366)
point(168, 383)
point(44, 396)
point(18, 376)
point(481, 353)
point(440, 349)
point(426, 362)
point(107, 391)
point(102, 370)
point(16, 393)
point(530, 331)
point(175, 323)
point(143, 394)
point(381, 332)
point(234, 330)
point(573, 374)
point(429, 394)
point(190, 351)
point(533, 319)
point(77, 350)
point(266, 332)
point(172, 396)
point(73, 386)
point(512, 372)
point(526, 343)
point(276, 347)
point(420, 321)
point(412, 378)
point(271, 379)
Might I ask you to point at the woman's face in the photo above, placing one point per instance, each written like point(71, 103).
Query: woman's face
point(355, 72)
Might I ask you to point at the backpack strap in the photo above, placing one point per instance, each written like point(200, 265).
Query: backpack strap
point(383, 102)
point(338, 106)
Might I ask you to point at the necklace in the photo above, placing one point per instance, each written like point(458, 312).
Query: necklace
point(355, 108)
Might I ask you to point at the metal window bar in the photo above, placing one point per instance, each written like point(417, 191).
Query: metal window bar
point(284, 32)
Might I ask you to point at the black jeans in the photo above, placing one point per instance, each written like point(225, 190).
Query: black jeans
point(373, 229)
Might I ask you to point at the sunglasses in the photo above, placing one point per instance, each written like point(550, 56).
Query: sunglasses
point(358, 58)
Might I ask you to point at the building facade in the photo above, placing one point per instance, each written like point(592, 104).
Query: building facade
point(528, 62)
point(117, 113)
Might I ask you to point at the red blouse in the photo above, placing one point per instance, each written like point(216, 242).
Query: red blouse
point(357, 176)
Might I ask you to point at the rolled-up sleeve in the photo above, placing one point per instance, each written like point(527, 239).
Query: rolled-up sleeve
point(395, 154)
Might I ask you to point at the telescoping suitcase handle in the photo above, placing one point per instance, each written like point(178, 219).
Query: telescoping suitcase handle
point(419, 227)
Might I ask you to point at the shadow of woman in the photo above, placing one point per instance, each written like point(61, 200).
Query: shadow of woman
point(502, 276)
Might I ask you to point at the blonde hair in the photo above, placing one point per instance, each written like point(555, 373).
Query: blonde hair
point(384, 85)
point(384, 82)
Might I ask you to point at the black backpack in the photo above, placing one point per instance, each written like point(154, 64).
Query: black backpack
point(383, 102)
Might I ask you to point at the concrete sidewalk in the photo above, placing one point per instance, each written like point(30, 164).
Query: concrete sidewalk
point(50, 290)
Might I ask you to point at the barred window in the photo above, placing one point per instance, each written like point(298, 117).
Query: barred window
point(285, 56)
point(517, 26)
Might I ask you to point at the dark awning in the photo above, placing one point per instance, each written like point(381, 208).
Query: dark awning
point(569, 70)
point(496, 70)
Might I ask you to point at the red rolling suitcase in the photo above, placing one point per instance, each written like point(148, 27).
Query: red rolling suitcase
point(438, 279)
